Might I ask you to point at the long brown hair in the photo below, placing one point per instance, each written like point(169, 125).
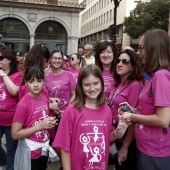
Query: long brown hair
point(101, 47)
point(8, 52)
point(157, 50)
point(85, 72)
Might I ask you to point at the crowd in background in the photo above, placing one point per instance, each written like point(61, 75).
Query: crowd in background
point(57, 106)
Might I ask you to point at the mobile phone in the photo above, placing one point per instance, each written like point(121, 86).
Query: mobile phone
point(126, 107)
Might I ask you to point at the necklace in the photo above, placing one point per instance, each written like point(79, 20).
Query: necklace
point(111, 101)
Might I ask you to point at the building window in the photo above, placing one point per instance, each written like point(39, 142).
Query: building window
point(110, 14)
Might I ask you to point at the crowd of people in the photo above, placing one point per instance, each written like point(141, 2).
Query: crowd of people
point(57, 107)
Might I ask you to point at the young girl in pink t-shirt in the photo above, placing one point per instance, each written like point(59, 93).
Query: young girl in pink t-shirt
point(87, 125)
point(31, 123)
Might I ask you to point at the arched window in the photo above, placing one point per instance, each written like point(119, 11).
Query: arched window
point(14, 33)
point(52, 34)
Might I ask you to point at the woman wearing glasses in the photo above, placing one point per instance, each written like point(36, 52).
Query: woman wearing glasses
point(20, 61)
point(152, 116)
point(76, 62)
point(128, 85)
point(105, 53)
point(60, 83)
point(10, 79)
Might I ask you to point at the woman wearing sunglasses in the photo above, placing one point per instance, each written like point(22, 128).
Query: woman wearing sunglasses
point(105, 53)
point(76, 62)
point(10, 79)
point(128, 85)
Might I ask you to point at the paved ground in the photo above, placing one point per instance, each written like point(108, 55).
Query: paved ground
point(54, 165)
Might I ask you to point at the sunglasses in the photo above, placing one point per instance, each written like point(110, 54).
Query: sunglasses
point(124, 61)
point(72, 59)
point(1, 57)
point(18, 55)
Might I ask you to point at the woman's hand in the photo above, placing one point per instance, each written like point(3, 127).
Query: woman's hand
point(122, 154)
point(125, 116)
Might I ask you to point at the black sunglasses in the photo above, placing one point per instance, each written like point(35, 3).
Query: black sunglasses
point(124, 61)
point(72, 59)
point(1, 57)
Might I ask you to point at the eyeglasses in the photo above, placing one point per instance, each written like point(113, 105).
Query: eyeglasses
point(140, 48)
point(124, 61)
point(86, 49)
point(56, 58)
point(18, 55)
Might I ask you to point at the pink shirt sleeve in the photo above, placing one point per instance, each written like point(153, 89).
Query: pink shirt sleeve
point(161, 88)
point(63, 140)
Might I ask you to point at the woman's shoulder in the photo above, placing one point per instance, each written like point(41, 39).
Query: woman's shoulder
point(17, 74)
point(136, 83)
point(162, 72)
point(161, 76)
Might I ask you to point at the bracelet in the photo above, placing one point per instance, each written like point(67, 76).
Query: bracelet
point(117, 135)
point(3, 75)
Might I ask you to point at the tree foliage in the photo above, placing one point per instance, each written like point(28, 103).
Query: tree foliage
point(146, 16)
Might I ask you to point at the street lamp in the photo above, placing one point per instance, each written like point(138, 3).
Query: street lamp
point(116, 3)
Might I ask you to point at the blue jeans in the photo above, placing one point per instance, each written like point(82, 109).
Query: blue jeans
point(11, 146)
point(2, 157)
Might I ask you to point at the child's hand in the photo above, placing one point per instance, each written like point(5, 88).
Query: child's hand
point(52, 100)
point(48, 123)
point(122, 127)
point(54, 106)
point(58, 113)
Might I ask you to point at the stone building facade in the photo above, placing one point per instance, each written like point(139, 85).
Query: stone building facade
point(98, 16)
point(53, 23)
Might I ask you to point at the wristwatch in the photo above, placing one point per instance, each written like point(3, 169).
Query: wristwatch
point(3, 75)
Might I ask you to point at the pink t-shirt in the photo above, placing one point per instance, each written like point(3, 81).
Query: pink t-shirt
point(108, 82)
point(75, 72)
point(31, 111)
point(7, 101)
point(124, 93)
point(86, 135)
point(151, 140)
point(60, 86)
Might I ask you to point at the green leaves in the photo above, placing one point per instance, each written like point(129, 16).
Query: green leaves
point(146, 16)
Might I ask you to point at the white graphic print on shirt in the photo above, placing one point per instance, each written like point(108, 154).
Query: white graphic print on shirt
point(2, 93)
point(56, 91)
point(107, 83)
point(94, 147)
point(42, 133)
